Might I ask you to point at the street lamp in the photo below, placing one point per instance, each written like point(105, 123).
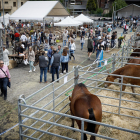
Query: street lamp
point(1, 49)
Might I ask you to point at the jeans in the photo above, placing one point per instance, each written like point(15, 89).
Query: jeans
point(7, 44)
point(31, 65)
point(64, 66)
point(55, 70)
point(94, 48)
point(50, 42)
point(112, 43)
point(97, 54)
point(82, 45)
point(49, 63)
point(64, 43)
point(45, 74)
point(3, 85)
point(45, 49)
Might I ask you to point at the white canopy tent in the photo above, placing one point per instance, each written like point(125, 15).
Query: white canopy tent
point(6, 19)
point(68, 21)
point(130, 10)
point(82, 18)
point(38, 10)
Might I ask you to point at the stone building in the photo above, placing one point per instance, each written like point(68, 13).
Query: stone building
point(10, 6)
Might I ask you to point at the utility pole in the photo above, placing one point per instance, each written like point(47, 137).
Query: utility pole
point(115, 10)
point(3, 16)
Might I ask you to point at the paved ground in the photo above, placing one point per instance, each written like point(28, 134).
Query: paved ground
point(27, 83)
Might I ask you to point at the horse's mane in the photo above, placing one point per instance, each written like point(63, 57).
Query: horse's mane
point(81, 85)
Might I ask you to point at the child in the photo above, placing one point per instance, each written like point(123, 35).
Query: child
point(7, 42)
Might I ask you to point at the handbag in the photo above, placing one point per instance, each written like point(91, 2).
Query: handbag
point(8, 83)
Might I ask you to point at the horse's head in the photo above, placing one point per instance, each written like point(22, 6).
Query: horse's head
point(109, 78)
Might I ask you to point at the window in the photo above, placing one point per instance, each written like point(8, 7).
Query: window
point(21, 3)
point(6, 12)
point(0, 13)
point(6, 2)
point(14, 4)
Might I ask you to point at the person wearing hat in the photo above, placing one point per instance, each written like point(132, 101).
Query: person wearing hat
point(5, 56)
point(89, 47)
point(99, 46)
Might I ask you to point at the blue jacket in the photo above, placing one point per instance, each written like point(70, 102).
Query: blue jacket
point(64, 59)
point(49, 53)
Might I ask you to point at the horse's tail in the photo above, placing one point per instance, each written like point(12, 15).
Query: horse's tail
point(91, 126)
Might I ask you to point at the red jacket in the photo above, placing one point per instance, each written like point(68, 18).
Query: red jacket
point(16, 35)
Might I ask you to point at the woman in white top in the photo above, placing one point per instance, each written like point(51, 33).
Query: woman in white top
point(72, 49)
point(5, 56)
point(82, 41)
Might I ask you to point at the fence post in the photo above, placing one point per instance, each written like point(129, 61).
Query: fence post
point(120, 95)
point(20, 120)
point(53, 103)
point(82, 128)
point(122, 56)
point(113, 63)
point(76, 76)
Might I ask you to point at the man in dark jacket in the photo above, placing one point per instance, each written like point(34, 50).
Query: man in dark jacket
point(90, 47)
point(55, 63)
point(43, 64)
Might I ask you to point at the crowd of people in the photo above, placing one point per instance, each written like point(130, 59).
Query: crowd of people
point(54, 60)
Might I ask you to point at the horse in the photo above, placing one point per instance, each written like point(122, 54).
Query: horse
point(127, 70)
point(133, 60)
point(136, 53)
point(85, 105)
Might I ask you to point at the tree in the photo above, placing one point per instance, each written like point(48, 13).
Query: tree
point(119, 4)
point(91, 5)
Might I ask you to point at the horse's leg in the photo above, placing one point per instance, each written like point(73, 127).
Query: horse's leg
point(72, 125)
point(133, 90)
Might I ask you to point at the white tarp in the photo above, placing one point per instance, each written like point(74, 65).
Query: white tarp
point(82, 18)
point(37, 10)
point(68, 21)
point(6, 19)
point(130, 10)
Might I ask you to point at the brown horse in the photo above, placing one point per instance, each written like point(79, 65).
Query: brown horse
point(136, 53)
point(133, 60)
point(85, 105)
point(128, 70)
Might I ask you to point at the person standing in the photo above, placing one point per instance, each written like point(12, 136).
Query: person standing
point(59, 51)
point(31, 58)
point(90, 47)
point(72, 49)
point(12, 38)
point(7, 41)
point(4, 77)
point(50, 38)
point(65, 34)
point(5, 56)
point(55, 63)
point(17, 36)
point(43, 63)
point(64, 60)
point(82, 41)
point(112, 40)
point(49, 54)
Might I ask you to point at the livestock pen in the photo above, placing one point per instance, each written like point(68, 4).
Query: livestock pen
point(47, 115)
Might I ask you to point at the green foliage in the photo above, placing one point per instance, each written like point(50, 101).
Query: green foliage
point(99, 11)
point(119, 4)
point(91, 5)
point(68, 10)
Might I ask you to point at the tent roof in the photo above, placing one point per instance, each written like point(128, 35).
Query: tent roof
point(131, 5)
point(68, 21)
point(37, 10)
point(82, 18)
point(5, 16)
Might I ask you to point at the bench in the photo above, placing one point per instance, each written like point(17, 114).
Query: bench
point(17, 58)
